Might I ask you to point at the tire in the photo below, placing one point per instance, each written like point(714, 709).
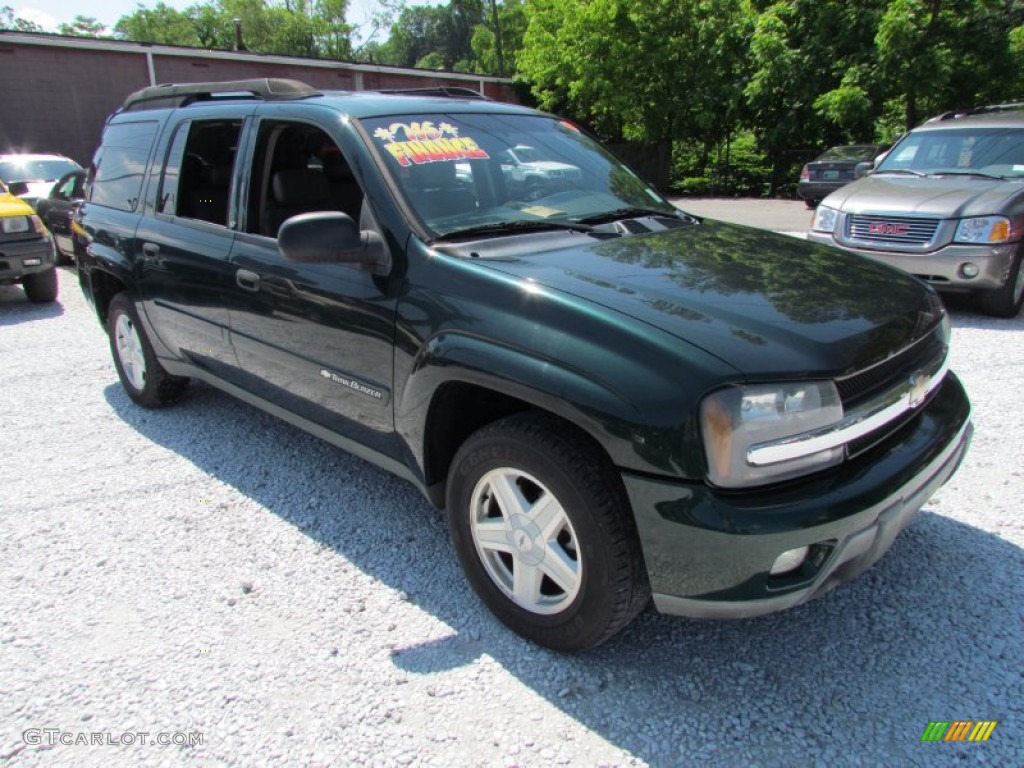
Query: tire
point(565, 570)
point(811, 204)
point(142, 376)
point(1006, 301)
point(41, 287)
point(533, 189)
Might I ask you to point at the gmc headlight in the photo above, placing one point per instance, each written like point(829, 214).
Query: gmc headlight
point(738, 418)
point(824, 219)
point(983, 229)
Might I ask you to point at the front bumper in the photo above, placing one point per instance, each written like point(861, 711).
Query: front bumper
point(709, 554)
point(942, 267)
point(818, 190)
point(14, 254)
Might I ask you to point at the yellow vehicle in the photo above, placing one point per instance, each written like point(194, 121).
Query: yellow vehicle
point(26, 249)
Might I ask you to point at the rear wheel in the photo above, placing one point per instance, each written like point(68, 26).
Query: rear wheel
point(41, 287)
point(142, 376)
point(1006, 301)
point(543, 529)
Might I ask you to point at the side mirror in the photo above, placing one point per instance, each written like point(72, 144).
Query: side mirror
point(863, 169)
point(329, 237)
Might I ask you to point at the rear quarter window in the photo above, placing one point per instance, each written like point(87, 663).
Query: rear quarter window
point(120, 164)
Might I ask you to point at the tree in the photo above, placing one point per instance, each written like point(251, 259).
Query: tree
point(159, 24)
point(313, 28)
point(653, 71)
point(83, 26)
point(497, 43)
point(9, 21)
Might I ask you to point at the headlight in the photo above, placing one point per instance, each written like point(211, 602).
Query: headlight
point(12, 224)
point(824, 219)
point(983, 229)
point(737, 418)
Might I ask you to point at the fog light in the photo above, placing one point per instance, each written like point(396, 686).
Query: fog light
point(32, 262)
point(969, 270)
point(788, 561)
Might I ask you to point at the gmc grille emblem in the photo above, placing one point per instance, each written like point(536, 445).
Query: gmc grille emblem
point(881, 228)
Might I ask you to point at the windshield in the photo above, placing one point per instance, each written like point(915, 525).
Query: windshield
point(458, 173)
point(995, 152)
point(35, 170)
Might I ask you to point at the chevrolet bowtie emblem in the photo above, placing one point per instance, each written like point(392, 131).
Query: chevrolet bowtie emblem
point(919, 386)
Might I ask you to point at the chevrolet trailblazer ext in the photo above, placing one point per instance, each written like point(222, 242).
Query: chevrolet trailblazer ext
point(610, 397)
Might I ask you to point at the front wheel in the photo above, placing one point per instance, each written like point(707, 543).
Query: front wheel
point(142, 376)
point(1007, 300)
point(543, 530)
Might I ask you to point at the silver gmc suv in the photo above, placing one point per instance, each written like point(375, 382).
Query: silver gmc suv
point(945, 204)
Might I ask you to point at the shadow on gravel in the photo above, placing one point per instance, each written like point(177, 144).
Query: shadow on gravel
point(16, 308)
point(932, 632)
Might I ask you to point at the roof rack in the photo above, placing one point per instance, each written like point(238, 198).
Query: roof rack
point(266, 88)
point(1009, 107)
point(449, 91)
point(1016, 105)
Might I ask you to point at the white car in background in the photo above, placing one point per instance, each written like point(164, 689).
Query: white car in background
point(526, 169)
point(32, 176)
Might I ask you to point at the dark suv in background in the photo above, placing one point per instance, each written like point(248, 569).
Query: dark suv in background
point(945, 204)
point(610, 397)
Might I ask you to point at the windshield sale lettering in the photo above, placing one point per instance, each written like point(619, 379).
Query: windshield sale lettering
point(425, 143)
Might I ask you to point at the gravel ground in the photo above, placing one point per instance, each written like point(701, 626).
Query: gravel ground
point(208, 569)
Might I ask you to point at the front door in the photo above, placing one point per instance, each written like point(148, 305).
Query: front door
point(315, 339)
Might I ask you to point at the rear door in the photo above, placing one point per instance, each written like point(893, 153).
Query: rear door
point(185, 244)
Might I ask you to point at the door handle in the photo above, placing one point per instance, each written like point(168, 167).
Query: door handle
point(247, 280)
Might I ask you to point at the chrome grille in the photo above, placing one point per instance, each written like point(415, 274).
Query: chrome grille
point(902, 230)
point(863, 384)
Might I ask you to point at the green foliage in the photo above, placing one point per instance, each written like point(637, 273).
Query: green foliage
point(8, 20)
point(83, 26)
point(313, 28)
point(738, 169)
point(649, 70)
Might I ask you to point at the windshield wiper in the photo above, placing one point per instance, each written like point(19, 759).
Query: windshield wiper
point(623, 213)
point(981, 174)
point(903, 171)
point(515, 227)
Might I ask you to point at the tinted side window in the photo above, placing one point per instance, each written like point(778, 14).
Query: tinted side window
point(120, 163)
point(196, 181)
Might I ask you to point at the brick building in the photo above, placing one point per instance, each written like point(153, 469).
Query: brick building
point(57, 91)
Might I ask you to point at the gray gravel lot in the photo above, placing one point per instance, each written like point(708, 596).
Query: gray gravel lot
point(209, 569)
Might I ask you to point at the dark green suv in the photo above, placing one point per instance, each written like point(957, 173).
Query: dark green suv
point(610, 397)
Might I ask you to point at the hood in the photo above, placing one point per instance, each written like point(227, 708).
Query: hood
point(767, 304)
point(14, 206)
point(944, 197)
point(550, 165)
